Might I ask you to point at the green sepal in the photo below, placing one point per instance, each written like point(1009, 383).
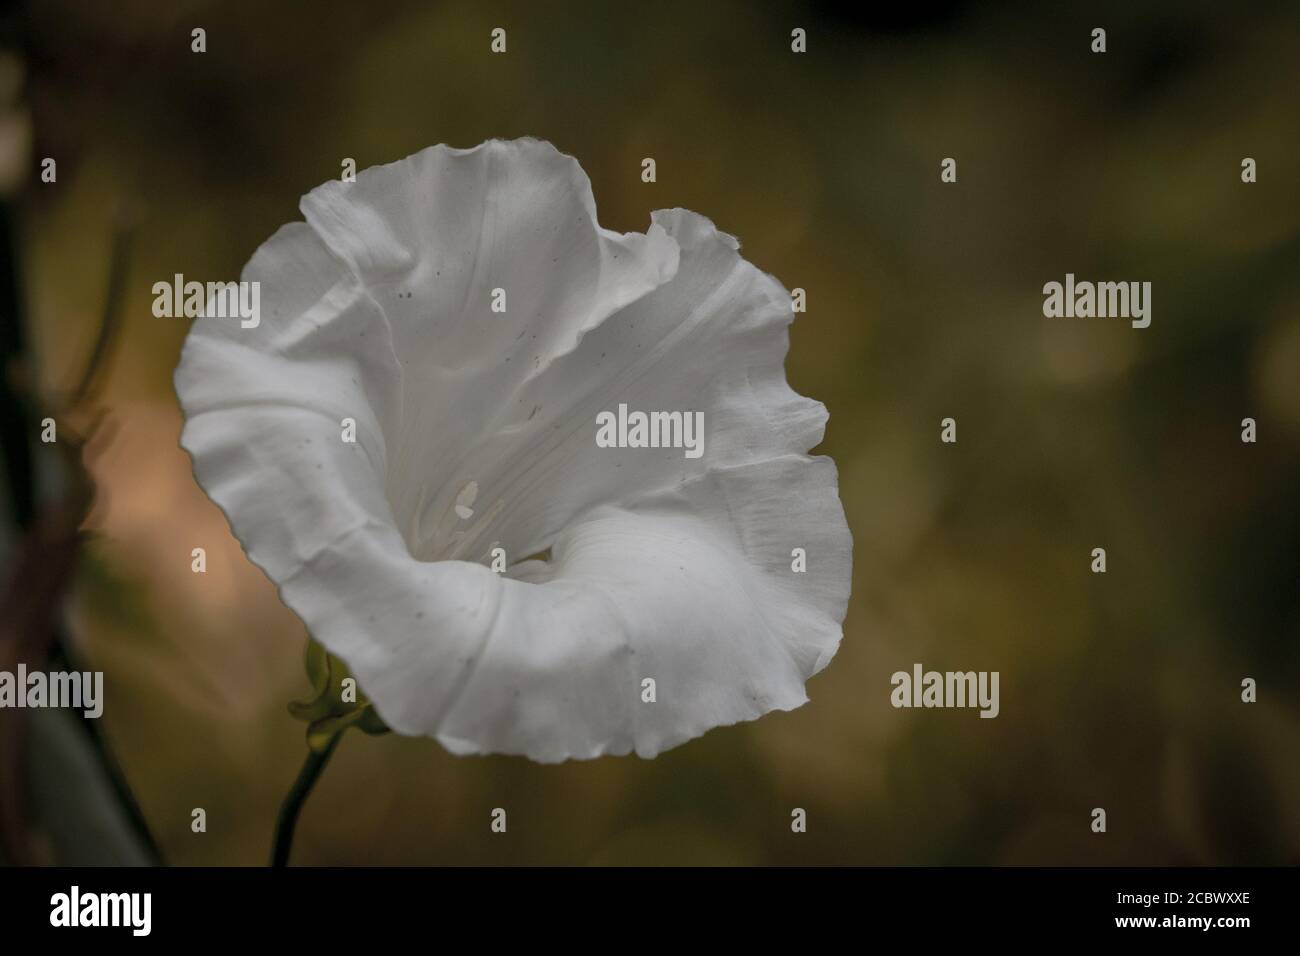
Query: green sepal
point(326, 713)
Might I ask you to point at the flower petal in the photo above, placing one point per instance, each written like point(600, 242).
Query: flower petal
point(712, 340)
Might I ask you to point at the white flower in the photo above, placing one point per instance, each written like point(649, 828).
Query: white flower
point(476, 429)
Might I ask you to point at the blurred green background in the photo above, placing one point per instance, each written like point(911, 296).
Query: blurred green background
point(1119, 691)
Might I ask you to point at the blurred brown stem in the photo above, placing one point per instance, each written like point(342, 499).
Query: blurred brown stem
point(110, 318)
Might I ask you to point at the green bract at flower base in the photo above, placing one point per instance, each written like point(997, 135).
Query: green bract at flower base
point(327, 713)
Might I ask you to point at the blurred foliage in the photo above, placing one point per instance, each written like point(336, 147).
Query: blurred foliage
point(1118, 690)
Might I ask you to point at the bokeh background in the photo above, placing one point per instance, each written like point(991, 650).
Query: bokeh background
point(1119, 690)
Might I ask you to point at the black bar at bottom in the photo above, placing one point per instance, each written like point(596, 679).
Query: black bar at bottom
point(335, 906)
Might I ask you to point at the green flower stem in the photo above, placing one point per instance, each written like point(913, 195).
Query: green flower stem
point(293, 802)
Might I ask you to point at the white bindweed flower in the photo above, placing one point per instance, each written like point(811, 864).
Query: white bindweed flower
point(467, 312)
